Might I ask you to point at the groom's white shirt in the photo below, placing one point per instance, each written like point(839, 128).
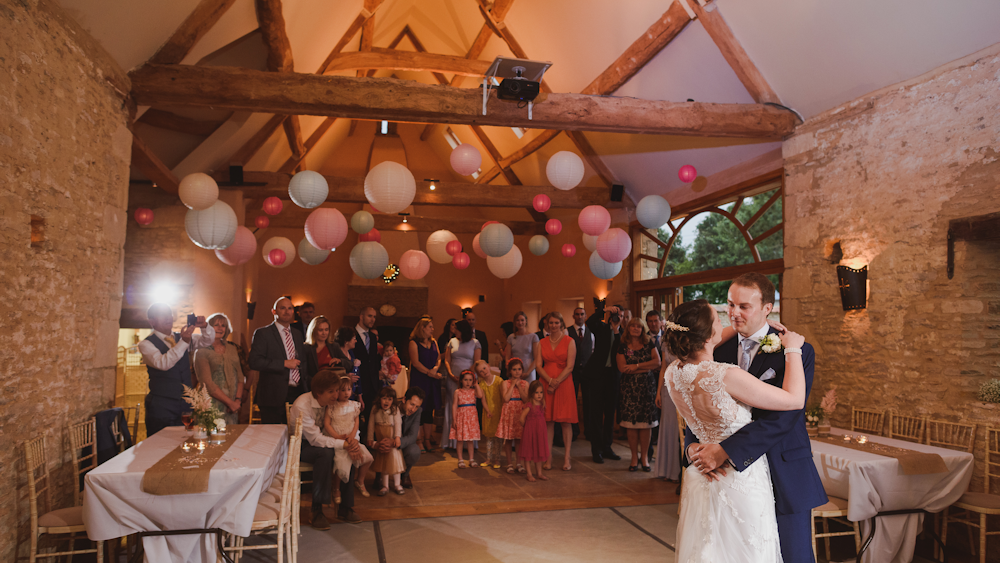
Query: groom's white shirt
point(753, 349)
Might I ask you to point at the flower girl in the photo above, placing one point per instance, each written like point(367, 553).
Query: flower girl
point(465, 423)
point(386, 424)
point(515, 390)
point(534, 446)
point(341, 422)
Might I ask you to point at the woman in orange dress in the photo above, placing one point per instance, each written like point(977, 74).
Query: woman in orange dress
point(554, 358)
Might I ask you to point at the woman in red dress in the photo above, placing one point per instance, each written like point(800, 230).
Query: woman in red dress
point(554, 358)
point(318, 336)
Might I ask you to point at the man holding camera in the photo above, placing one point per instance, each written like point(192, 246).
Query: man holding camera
point(600, 387)
point(168, 363)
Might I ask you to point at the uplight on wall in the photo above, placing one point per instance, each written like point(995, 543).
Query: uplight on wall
point(853, 287)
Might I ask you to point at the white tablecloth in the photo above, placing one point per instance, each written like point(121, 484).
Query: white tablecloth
point(115, 506)
point(874, 483)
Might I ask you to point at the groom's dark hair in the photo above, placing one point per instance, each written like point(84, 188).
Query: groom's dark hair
point(697, 317)
point(760, 283)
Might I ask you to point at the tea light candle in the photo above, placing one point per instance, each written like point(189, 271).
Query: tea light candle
point(186, 447)
point(863, 439)
point(201, 447)
point(847, 437)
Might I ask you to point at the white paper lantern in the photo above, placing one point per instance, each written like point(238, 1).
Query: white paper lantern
point(465, 159)
point(496, 240)
point(652, 212)
point(507, 265)
point(212, 228)
point(369, 260)
point(538, 245)
point(308, 189)
point(594, 220)
point(564, 170)
point(390, 187)
point(437, 246)
point(242, 249)
point(614, 245)
point(312, 255)
point(326, 228)
point(362, 222)
point(590, 242)
point(476, 248)
point(414, 264)
point(198, 191)
point(281, 243)
point(604, 270)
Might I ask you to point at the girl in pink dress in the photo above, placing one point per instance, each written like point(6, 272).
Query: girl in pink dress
point(465, 425)
point(514, 390)
point(534, 442)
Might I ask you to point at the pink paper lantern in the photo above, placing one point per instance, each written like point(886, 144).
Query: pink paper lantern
point(553, 226)
point(143, 216)
point(326, 228)
point(476, 248)
point(487, 223)
point(687, 173)
point(465, 159)
point(614, 245)
point(241, 251)
point(414, 264)
point(541, 203)
point(262, 222)
point(272, 205)
point(460, 261)
point(594, 220)
point(276, 257)
point(453, 248)
point(371, 236)
point(568, 250)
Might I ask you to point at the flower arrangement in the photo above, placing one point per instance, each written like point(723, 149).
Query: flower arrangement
point(813, 416)
point(205, 413)
point(829, 402)
point(770, 343)
point(989, 392)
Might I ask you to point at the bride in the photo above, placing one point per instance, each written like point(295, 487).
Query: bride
point(728, 516)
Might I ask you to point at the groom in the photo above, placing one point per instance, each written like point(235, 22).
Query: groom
point(780, 435)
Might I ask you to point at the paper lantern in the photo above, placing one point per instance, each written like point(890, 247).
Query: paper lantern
point(143, 216)
point(614, 245)
point(476, 248)
point(465, 159)
point(569, 250)
point(198, 191)
point(211, 228)
point(262, 222)
point(487, 224)
point(308, 189)
point(362, 222)
point(564, 170)
point(507, 265)
point(369, 260)
point(242, 249)
point(273, 205)
point(453, 247)
point(460, 261)
point(652, 212)
point(276, 257)
point(553, 226)
point(414, 264)
point(687, 173)
point(496, 240)
point(281, 243)
point(390, 187)
point(312, 255)
point(326, 228)
point(594, 220)
point(602, 269)
point(590, 242)
point(541, 203)
point(437, 246)
point(371, 236)
point(538, 245)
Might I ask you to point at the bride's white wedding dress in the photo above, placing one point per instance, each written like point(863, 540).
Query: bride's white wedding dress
point(731, 519)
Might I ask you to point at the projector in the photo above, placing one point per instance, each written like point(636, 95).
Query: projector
point(518, 89)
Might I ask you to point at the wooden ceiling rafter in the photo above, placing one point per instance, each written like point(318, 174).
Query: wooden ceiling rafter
point(195, 26)
point(152, 167)
point(293, 163)
point(392, 59)
point(296, 217)
point(162, 119)
point(279, 59)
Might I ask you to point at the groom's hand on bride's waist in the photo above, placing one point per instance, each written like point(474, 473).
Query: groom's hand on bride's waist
point(709, 459)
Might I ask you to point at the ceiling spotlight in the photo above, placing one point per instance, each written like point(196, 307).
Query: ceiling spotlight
point(404, 215)
point(432, 180)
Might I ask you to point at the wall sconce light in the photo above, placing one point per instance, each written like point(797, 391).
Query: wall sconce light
point(853, 286)
point(251, 307)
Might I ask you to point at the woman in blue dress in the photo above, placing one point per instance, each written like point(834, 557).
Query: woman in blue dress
point(426, 373)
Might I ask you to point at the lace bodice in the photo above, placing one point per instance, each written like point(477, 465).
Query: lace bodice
point(699, 392)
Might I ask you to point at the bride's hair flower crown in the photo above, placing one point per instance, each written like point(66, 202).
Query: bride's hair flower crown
point(669, 325)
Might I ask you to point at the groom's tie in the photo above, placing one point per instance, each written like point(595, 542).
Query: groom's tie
point(745, 348)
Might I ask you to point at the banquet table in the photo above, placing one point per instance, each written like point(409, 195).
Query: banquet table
point(114, 504)
point(875, 483)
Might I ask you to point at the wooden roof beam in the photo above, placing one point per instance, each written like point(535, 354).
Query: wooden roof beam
point(154, 169)
point(391, 59)
point(194, 27)
point(366, 13)
point(294, 161)
point(279, 59)
point(170, 121)
point(296, 217)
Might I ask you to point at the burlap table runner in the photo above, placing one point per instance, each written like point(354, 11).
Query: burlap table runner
point(912, 462)
point(186, 472)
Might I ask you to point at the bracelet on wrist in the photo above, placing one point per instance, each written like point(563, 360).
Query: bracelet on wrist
point(793, 351)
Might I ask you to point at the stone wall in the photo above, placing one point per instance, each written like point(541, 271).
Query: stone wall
point(64, 159)
point(882, 176)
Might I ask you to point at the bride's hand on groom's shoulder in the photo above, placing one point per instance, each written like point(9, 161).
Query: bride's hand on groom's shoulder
point(777, 325)
point(791, 339)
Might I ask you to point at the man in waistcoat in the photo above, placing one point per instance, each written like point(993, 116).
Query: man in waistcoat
point(168, 362)
point(600, 388)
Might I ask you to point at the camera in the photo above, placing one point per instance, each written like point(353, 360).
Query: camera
point(192, 319)
point(615, 317)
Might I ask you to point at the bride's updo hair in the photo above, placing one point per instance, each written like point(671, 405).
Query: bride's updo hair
point(697, 317)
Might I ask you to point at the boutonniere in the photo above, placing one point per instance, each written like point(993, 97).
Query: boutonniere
point(770, 343)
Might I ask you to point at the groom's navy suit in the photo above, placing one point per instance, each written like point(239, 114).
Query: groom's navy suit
point(782, 436)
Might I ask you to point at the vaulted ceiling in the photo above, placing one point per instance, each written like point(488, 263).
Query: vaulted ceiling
point(807, 55)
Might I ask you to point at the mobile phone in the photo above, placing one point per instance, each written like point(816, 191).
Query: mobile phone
point(192, 319)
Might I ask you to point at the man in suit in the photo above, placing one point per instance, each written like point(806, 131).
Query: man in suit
point(366, 350)
point(307, 312)
point(601, 379)
point(408, 443)
point(278, 352)
point(479, 335)
point(780, 435)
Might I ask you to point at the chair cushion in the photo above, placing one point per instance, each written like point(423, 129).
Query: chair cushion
point(62, 517)
point(833, 504)
point(266, 511)
point(981, 500)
